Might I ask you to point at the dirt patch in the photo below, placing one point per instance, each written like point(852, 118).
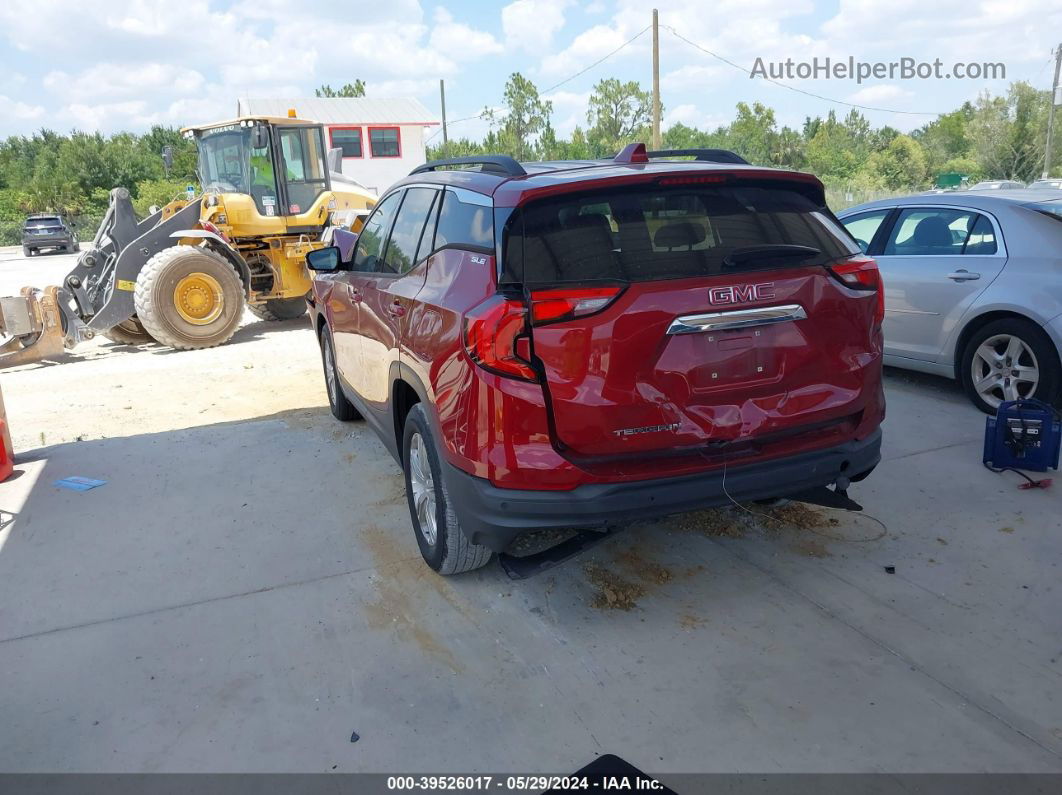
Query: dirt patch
point(1007, 530)
point(641, 567)
point(533, 543)
point(690, 622)
point(800, 516)
point(613, 592)
point(713, 523)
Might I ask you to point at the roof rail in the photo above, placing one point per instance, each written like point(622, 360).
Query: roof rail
point(703, 155)
point(492, 164)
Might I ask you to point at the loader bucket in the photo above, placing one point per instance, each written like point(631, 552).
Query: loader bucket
point(34, 323)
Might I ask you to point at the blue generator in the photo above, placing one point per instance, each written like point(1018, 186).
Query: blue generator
point(1024, 434)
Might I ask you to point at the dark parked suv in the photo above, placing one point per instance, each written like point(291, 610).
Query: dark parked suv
point(48, 231)
point(582, 344)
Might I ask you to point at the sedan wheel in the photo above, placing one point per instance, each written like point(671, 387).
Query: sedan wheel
point(1004, 368)
point(1009, 359)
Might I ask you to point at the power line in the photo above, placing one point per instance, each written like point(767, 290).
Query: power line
point(794, 88)
point(555, 86)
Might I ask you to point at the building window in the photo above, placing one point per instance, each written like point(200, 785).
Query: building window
point(348, 139)
point(384, 142)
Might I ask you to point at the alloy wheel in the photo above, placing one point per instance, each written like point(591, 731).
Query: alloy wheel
point(1004, 367)
point(423, 486)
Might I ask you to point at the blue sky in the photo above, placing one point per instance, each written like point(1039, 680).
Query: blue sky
point(127, 64)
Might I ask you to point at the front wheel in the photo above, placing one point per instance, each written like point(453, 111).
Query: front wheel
point(1009, 359)
point(276, 309)
point(189, 297)
point(443, 544)
point(342, 409)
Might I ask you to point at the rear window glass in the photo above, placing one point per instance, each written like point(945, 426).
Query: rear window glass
point(664, 233)
point(42, 222)
point(1048, 208)
point(464, 225)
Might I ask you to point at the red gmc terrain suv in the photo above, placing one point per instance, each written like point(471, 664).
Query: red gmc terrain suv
point(580, 344)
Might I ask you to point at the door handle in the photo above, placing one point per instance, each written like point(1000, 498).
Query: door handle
point(354, 293)
point(963, 275)
point(396, 309)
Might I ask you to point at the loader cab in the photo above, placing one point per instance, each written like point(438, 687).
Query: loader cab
point(280, 165)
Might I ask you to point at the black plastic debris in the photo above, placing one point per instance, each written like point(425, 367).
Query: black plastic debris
point(354, 737)
point(890, 569)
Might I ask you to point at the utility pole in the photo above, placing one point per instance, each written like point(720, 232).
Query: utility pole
point(442, 101)
point(656, 80)
point(1051, 112)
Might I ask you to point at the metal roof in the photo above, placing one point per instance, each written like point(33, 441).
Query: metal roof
point(342, 110)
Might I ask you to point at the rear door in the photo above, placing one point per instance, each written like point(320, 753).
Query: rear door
point(935, 262)
point(686, 329)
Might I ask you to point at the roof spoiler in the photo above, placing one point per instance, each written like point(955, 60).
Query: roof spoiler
point(636, 153)
point(491, 164)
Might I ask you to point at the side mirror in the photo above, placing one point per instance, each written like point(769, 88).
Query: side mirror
point(259, 136)
point(323, 259)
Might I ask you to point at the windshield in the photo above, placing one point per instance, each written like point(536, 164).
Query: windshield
point(36, 222)
point(649, 233)
point(1054, 209)
point(229, 164)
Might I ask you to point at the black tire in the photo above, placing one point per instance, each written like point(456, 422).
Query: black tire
point(27, 251)
point(451, 552)
point(1035, 341)
point(77, 246)
point(276, 309)
point(155, 302)
point(342, 409)
point(129, 332)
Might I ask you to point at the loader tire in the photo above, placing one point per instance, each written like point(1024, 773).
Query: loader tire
point(129, 332)
point(189, 297)
point(279, 309)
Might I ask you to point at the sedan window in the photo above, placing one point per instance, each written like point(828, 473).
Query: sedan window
point(864, 226)
point(934, 232)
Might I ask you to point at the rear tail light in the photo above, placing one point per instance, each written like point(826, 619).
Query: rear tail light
point(861, 273)
point(551, 306)
point(495, 331)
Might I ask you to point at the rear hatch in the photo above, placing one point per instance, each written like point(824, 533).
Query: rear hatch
point(685, 312)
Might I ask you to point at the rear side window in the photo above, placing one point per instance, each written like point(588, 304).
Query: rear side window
point(651, 233)
point(464, 225)
point(409, 225)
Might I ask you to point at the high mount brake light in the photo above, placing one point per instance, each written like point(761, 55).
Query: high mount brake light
point(493, 329)
point(566, 303)
point(714, 179)
point(861, 273)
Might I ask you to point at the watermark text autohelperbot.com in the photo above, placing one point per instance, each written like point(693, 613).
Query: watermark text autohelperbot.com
point(849, 68)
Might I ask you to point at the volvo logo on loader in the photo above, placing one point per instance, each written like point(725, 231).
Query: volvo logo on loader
point(741, 294)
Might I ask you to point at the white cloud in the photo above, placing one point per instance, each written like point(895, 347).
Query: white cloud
point(879, 94)
point(19, 110)
point(462, 42)
point(589, 46)
point(530, 25)
point(116, 80)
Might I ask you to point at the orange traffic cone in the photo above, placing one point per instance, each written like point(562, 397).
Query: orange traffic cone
point(7, 463)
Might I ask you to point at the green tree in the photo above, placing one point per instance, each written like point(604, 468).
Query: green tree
point(618, 113)
point(902, 164)
point(1008, 133)
point(525, 118)
point(753, 132)
point(355, 89)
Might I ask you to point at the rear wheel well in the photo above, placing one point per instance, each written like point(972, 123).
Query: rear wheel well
point(403, 398)
point(978, 323)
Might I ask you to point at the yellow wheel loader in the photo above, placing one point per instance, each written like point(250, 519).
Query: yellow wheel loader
point(183, 275)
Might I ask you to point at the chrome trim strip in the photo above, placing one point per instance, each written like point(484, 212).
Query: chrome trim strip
point(739, 318)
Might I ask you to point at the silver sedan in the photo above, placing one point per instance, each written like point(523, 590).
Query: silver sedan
point(973, 287)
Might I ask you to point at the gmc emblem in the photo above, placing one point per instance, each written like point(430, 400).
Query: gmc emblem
point(741, 294)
